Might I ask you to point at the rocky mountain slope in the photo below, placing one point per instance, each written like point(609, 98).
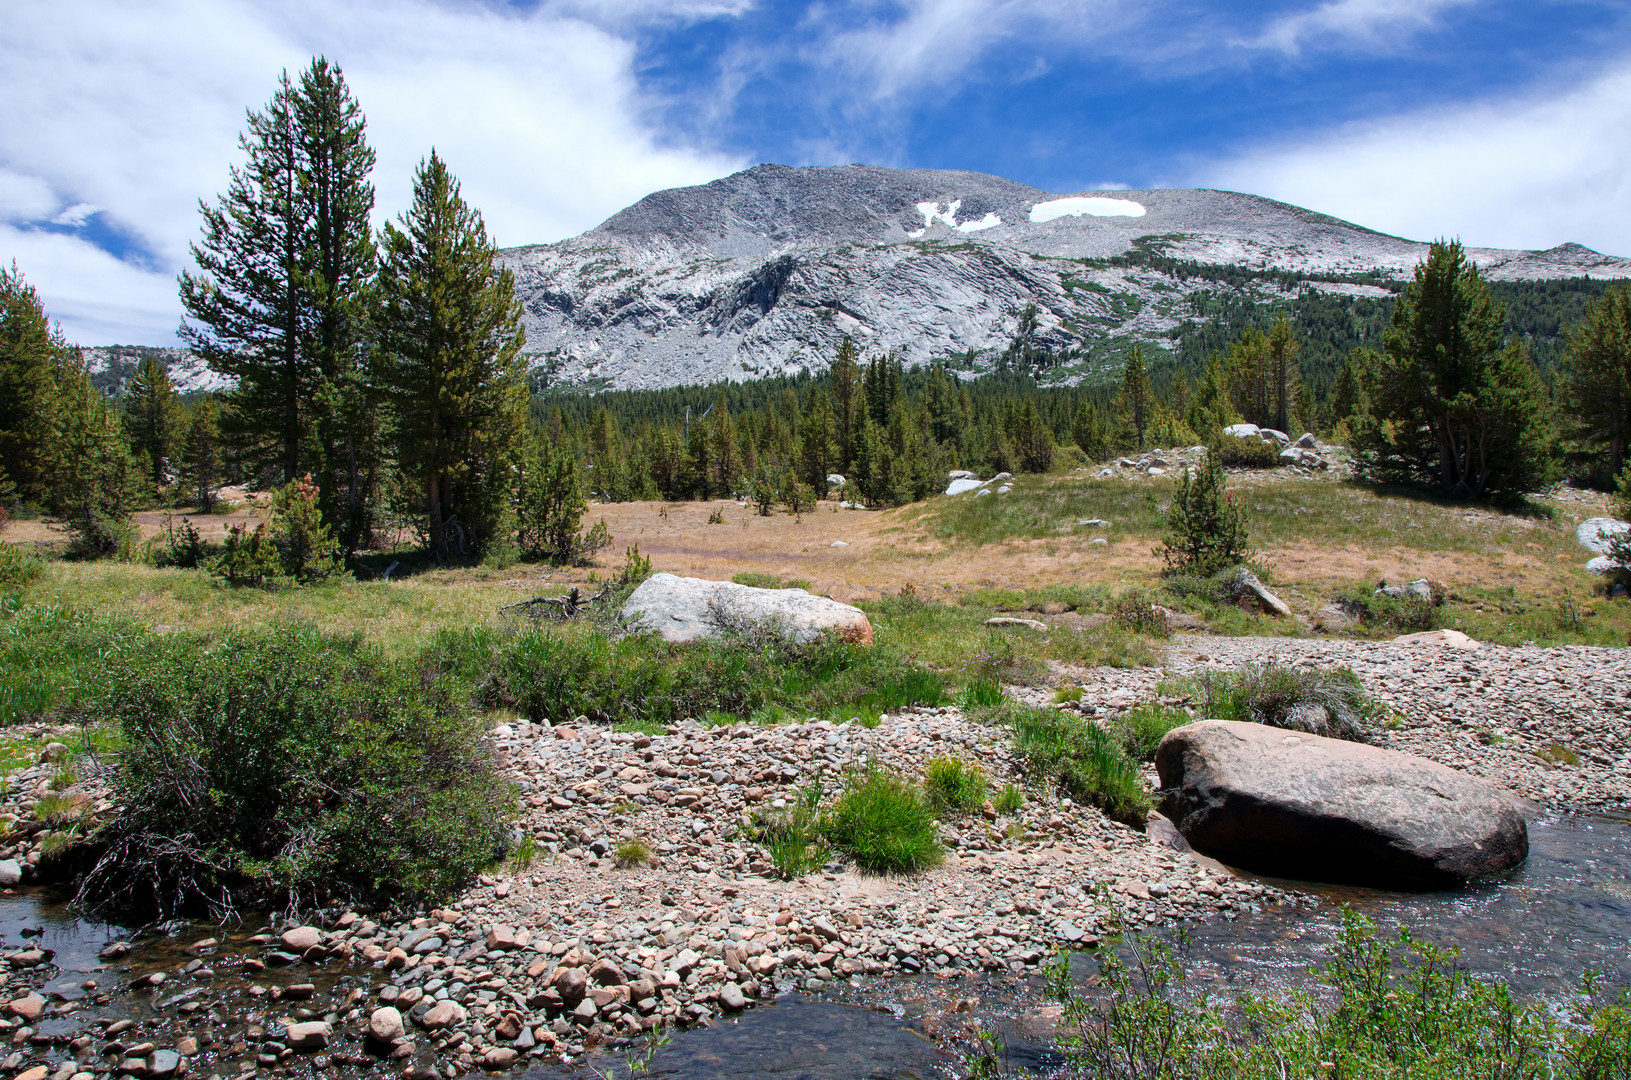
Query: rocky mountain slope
point(112, 366)
point(764, 272)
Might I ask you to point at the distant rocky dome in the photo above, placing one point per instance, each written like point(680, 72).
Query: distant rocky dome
point(764, 271)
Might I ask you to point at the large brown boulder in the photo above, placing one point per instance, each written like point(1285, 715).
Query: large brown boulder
point(686, 609)
point(1315, 809)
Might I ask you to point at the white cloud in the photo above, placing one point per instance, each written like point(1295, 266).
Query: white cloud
point(1367, 23)
point(135, 110)
point(1528, 173)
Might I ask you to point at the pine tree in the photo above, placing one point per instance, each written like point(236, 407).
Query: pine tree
point(1209, 407)
point(1598, 390)
point(1250, 373)
point(1032, 439)
point(244, 306)
point(201, 457)
point(336, 280)
point(280, 299)
point(815, 444)
point(156, 419)
point(1135, 392)
point(451, 335)
point(551, 503)
point(848, 403)
point(1444, 402)
point(89, 465)
point(1284, 374)
point(31, 349)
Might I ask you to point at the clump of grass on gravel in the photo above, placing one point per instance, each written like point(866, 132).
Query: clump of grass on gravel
point(1083, 759)
point(1144, 726)
point(953, 784)
point(1329, 702)
point(631, 852)
point(1009, 799)
point(792, 837)
point(885, 823)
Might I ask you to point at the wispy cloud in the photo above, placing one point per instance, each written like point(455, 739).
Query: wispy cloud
point(124, 116)
point(1352, 23)
point(1531, 172)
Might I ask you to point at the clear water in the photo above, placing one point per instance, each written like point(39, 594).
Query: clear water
point(1566, 911)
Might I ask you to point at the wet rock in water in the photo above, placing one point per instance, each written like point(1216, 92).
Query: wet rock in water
point(684, 609)
point(499, 1057)
point(385, 1024)
point(302, 938)
point(732, 998)
point(28, 1007)
point(1315, 809)
point(308, 1035)
point(11, 873)
point(36, 1073)
point(166, 1062)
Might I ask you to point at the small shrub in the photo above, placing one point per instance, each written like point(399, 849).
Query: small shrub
point(884, 823)
point(1207, 527)
point(18, 569)
point(1144, 726)
point(1009, 799)
point(717, 517)
point(249, 559)
point(183, 547)
point(1332, 703)
point(1246, 452)
point(308, 551)
point(1394, 614)
point(953, 785)
point(1557, 754)
point(980, 694)
point(1138, 614)
point(1067, 694)
point(1085, 760)
point(631, 852)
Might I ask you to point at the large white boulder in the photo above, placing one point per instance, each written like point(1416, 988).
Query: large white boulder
point(1243, 431)
point(962, 484)
point(684, 609)
point(1595, 534)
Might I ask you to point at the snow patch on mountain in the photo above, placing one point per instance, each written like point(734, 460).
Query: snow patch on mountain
point(1091, 205)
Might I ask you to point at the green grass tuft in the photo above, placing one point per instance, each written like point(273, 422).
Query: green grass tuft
point(1084, 759)
point(1144, 726)
point(953, 785)
point(885, 823)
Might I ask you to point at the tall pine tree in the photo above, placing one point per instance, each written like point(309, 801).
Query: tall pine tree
point(451, 335)
point(155, 419)
point(1136, 394)
point(31, 350)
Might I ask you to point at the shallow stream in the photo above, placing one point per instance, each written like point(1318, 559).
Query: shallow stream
point(1566, 911)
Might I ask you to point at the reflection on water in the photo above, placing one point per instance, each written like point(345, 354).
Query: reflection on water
point(1565, 911)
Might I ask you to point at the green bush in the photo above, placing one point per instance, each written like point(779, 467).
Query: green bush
point(290, 769)
point(1009, 799)
point(1084, 759)
point(1144, 726)
point(884, 823)
point(1332, 703)
point(952, 784)
point(1249, 452)
point(1207, 528)
point(1394, 614)
point(1138, 614)
point(1400, 1009)
point(17, 568)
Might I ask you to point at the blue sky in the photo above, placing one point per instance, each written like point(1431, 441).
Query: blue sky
point(1507, 123)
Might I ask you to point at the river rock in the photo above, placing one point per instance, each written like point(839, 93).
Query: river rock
point(309, 1035)
point(442, 1014)
point(28, 1007)
point(684, 609)
point(385, 1024)
point(1596, 533)
point(732, 998)
point(1315, 809)
point(302, 938)
point(11, 873)
point(499, 1057)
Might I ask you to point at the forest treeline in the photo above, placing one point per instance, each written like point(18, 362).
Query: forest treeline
point(379, 382)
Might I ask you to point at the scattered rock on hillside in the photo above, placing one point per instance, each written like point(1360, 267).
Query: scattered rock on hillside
point(1008, 620)
point(1419, 589)
point(1248, 582)
point(685, 609)
point(961, 484)
point(1316, 809)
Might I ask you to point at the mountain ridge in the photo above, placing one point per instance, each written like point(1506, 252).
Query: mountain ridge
point(765, 271)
